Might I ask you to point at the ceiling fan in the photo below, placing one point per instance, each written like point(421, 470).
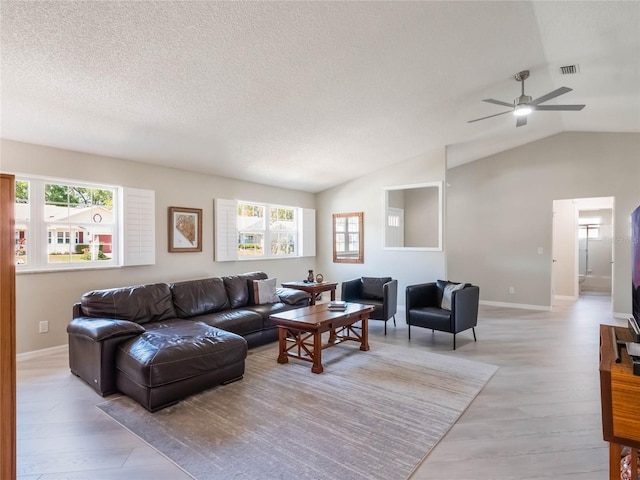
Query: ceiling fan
point(524, 104)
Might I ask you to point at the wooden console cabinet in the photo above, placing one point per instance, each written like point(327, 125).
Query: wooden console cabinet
point(7, 329)
point(620, 399)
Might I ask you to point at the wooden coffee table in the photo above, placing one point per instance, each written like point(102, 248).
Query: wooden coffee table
point(300, 331)
point(314, 288)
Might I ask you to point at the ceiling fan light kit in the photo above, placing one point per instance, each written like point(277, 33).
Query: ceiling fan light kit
point(522, 110)
point(525, 104)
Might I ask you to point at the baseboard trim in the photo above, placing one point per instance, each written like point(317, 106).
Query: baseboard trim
point(515, 305)
point(21, 357)
point(565, 297)
point(622, 315)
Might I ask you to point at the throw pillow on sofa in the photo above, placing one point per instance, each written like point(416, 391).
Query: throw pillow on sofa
point(264, 291)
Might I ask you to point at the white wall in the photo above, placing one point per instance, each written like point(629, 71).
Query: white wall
point(499, 212)
point(50, 296)
point(421, 204)
point(366, 195)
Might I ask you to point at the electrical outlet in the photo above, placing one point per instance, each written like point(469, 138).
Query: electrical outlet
point(512, 290)
point(44, 326)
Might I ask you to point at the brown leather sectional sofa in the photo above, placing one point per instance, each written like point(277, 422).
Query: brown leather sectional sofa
point(159, 343)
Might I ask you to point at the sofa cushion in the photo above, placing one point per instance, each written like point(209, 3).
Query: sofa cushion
point(197, 297)
point(264, 291)
point(372, 287)
point(239, 321)
point(177, 350)
point(138, 304)
point(431, 317)
point(237, 290)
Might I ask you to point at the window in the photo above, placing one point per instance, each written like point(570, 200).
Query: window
point(254, 232)
point(590, 227)
point(283, 231)
point(591, 232)
point(247, 230)
point(251, 230)
point(65, 224)
point(348, 237)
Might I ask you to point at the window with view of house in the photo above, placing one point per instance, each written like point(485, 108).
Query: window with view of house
point(62, 224)
point(247, 230)
point(266, 230)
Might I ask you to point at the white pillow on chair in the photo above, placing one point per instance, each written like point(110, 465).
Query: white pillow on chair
point(448, 293)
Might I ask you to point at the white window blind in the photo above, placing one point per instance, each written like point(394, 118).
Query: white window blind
point(139, 227)
point(226, 247)
point(308, 229)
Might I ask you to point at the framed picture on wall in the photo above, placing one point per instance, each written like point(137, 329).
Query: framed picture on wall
point(185, 229)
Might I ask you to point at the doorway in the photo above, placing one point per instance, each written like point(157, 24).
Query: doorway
point(582, 248)
point(595, 253)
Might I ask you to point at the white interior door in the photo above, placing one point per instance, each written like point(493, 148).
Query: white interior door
point(564, 279)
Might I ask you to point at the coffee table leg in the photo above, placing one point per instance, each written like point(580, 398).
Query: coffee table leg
point(365, 333)
point(333, 294)
point(317, 353)
point(282, 344)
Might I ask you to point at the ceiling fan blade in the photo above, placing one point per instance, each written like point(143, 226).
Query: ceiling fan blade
point(521, 121)
point(494, 115)
point(567, 108)
point(550, 95)
point(498, 102)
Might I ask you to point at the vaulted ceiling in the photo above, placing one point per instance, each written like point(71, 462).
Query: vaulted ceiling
point(308, 95)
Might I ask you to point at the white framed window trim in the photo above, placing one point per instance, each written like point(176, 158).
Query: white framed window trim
point(132, 233)
point(227, 232)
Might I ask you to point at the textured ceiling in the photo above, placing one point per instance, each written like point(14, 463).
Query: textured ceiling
point(308, 95)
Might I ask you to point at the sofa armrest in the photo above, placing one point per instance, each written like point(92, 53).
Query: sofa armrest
point(390, 298)
point(291, 296)
point(77, 310)
point(100, 329)
point(351, 290)
point(464, 308)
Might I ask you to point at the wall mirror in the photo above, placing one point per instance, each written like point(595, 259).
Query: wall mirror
point(413, 217)
point(348, 238)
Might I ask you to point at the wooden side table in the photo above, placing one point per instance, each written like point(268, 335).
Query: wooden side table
point(313, 288)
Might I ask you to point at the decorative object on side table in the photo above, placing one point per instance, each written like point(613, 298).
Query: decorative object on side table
point(310, 277)
point(185, 229)
point(319, 278)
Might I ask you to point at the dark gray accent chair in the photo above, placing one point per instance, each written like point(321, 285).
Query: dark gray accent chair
point(382, 292)
point(423, 308)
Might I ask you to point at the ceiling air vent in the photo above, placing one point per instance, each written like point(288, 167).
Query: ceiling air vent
point(570, 69)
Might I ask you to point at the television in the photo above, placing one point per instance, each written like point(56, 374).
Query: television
point(635, 269)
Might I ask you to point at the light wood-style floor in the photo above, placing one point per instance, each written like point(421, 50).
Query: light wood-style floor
point(539, 417)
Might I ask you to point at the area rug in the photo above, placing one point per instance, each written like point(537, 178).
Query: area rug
point(370, 415)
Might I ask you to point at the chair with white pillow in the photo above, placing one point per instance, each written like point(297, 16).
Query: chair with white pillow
point(443, 306)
